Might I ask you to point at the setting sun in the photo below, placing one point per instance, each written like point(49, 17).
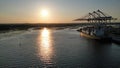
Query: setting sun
point(44, 13)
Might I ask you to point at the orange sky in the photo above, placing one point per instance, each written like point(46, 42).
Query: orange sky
point(59, 11)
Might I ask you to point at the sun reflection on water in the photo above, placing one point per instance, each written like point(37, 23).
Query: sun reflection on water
point(45, 46)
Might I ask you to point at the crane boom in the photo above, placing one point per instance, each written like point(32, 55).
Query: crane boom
point(96, 16)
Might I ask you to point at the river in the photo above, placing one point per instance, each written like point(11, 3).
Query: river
point(56, 48)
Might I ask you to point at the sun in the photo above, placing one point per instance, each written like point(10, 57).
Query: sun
point(44, 12)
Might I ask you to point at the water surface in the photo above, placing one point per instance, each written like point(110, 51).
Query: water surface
point(58, 48)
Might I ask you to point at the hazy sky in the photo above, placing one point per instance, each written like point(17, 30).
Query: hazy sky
point(14, 11)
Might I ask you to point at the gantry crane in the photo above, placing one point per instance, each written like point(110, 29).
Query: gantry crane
point(96, 17)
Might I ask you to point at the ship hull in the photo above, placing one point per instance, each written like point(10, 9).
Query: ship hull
point(94, 37)
point(116, 39)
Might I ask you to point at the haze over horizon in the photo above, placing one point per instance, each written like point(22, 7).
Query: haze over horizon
point(53, 11)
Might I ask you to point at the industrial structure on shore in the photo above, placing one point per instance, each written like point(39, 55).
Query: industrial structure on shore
point(96, 17)
point(99, 30)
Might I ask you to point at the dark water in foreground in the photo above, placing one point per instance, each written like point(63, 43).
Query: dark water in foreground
point(51, 48)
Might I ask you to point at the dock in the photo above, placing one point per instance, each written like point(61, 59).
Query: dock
point(99, 19)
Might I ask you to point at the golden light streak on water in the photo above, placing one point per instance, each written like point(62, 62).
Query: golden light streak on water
point(45, 46)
